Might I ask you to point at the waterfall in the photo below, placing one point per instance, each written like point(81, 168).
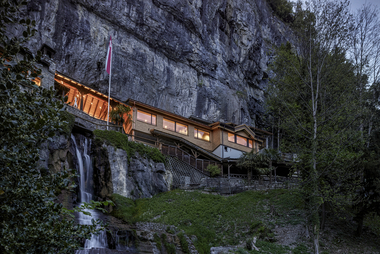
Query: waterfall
point(86, 191)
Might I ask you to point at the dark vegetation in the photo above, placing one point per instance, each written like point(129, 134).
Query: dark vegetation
point(120, 140)
point(70, 120)
point(31, 218)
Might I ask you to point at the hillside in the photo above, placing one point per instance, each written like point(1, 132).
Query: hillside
point(275, 217)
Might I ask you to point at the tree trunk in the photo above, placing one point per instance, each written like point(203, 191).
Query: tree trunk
point(359, 218)
point(323, 216)
point(270, 166)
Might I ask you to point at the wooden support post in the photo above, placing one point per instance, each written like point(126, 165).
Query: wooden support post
point(229, 166)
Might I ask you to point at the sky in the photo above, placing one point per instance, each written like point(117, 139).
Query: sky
point(356, 4)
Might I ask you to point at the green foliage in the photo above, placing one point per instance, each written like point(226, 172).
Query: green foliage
point(213, 169)
point(184, 243)
point(124, 208)
point(120, 115)
point(70, 119)
point(120, 140)
point(258, 162)
point(313, 96)
point(372, 221)
point(170, 248)
point(31, 218)
point(157, 240)
point(217, 220)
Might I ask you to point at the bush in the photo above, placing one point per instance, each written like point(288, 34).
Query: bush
point(213, 169)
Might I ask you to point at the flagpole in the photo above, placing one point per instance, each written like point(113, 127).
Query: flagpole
point(109, 64)
point(109, 94)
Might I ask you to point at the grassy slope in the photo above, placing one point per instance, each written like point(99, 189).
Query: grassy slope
point(217, 220)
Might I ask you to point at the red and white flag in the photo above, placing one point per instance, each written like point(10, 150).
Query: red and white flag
point(109, 57)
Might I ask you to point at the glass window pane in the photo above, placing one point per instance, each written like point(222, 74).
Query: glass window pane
point(250, 143)
point(203, 135)
point(241, 141)
point(168, 125)
point(154, 119)
point(144, 117)
point(181, 128)
point(195, 133)
point(231, 137)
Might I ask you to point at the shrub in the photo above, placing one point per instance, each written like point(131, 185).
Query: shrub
point(213, 169)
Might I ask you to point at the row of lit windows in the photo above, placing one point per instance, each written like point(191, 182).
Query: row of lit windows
point(240, 140)
point(183, 129)
point(172, 125)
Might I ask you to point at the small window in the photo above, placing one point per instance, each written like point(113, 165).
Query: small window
point(205, 135)
point(174, 126)
point(250, 143)
point(146, 117)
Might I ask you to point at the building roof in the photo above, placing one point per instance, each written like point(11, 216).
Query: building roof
point(132, 102)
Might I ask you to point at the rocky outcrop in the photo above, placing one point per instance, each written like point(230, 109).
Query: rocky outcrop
point(139, 178)
point(203, 58)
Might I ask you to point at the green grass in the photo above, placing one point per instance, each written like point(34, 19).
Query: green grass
point(216, 220)
point(120, 140)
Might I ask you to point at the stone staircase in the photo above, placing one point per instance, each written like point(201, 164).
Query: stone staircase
point(183, 173)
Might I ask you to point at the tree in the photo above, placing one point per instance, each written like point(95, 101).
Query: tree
point(31, 219)
point(313, 87)
point(365, 53)
point(253, 161)
point(120, 115)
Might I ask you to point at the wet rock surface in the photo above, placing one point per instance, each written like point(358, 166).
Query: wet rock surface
point(203, 58)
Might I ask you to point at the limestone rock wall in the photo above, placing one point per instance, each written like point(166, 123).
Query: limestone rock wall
point(192, 57)
point(141, 178)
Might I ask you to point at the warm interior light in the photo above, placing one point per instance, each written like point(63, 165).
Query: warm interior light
point(91, 103)
point(166, 127)
point(145, 120)
point(100, 107)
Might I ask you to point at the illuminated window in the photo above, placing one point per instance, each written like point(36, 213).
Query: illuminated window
point(202, 134)
point(231, 137)
point(174, 126)
point(240, 140)
point(181, 128)
point(146, 117)
point(169, 125)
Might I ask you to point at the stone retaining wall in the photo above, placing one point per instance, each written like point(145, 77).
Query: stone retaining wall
point(88, 122)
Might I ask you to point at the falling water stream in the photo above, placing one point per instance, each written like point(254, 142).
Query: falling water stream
point(86, 191)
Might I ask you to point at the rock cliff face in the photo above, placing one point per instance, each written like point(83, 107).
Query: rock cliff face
point(206, 58)
point(140, 178)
